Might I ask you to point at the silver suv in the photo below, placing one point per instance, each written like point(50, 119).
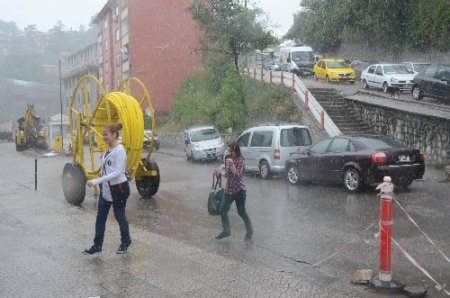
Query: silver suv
point(267, 148)
point(203, 143)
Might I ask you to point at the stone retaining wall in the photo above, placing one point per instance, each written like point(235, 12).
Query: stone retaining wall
point(429, 134)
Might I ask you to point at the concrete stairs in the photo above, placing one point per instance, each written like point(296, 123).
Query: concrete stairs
point(340, 112)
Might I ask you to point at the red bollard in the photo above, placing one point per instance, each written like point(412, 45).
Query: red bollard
point(282, 78)
point(293, 83)
point(384, 280)
point(306, 100)
point(322, 119)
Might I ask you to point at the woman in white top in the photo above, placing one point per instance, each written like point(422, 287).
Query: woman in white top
point(114, 190)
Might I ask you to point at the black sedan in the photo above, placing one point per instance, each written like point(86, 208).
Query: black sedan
point(356, 162)
point(433, 82)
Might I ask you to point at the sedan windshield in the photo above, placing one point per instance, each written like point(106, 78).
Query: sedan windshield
point(204, 135)
point(337, 64)
point(391, 69)
point(379, 143)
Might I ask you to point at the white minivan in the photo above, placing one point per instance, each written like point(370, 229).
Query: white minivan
point(267, 148)
point(203, 143)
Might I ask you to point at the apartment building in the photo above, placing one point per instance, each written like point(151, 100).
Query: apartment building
point(155, 41)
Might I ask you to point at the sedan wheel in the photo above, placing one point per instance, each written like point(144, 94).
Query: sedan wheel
point(385, 87)
point(292, 174)
point(352, 180)
point(365, 86)
point(416, 93)
point(264, 170)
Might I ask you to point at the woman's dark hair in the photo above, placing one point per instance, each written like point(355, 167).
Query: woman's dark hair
point(236, 149)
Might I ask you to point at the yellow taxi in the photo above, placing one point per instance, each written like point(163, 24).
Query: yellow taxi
point(334, 70)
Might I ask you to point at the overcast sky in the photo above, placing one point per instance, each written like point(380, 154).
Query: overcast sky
point(73, 13)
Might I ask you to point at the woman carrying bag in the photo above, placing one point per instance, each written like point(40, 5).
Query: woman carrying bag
point(234, 191)
point(114, 190)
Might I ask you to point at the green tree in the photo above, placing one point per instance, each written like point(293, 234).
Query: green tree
point(8, 30)
point(230, 28)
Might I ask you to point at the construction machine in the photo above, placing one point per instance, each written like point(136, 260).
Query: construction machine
point(30, 131)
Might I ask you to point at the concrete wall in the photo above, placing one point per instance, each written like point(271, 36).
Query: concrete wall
point(430, 135)
point(364, 52)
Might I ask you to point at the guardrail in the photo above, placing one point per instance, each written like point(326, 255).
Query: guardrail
point(293, 82)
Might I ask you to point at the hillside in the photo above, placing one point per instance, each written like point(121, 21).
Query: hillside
point(15, 95)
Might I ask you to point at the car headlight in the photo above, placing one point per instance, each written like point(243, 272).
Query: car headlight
point(394, 80)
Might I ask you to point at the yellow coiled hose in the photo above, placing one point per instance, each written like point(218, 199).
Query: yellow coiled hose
point(118, 107)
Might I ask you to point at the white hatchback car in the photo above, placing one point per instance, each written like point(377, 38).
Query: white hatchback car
point(267, 148)
point(203, 143)
point(387, 77)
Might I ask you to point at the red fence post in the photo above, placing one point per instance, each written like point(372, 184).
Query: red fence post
point(293, 82)
point(322, 119)
point(282, 78)
point(306, 100)
point(384, 280)
point(270, 76)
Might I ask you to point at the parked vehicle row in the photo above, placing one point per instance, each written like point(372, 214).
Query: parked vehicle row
point(387, 77)
point(287, 149)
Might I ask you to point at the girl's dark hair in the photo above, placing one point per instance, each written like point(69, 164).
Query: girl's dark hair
point(235, 147)
point(114, 129)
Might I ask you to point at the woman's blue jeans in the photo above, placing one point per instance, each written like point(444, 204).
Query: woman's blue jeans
point(240, 199)
point(119, 214)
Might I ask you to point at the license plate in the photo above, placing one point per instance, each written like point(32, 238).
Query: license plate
point(403, 158)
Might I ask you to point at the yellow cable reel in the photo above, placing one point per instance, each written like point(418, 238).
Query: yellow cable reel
point(88, 115)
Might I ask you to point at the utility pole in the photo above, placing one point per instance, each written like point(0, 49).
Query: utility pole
point(61, 105)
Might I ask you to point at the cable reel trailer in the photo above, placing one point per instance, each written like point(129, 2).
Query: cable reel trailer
point(90, 110)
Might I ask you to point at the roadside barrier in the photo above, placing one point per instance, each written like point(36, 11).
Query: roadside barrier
point(293, 82)
point(384, 280)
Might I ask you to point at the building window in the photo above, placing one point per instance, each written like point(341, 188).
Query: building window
point(124, 52)
point(106, 23)
point(106, 45)
point(118, 59)
point(117, 35)
point(106, 67)
point(100, 49)
point(116, 10)
point(125, 26)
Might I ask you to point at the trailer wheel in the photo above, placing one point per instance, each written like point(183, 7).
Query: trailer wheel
point(74, 183)
point(148, 186)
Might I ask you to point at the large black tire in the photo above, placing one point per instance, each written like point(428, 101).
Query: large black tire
point(365, 85)
point(416, 93)
point(148, 186)
point(74, 183)
point(386, 88)
point(264, 170)
point(352, 180)
point(292, 174)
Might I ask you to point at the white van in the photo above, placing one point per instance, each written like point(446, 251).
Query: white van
point(203, 143)
point(267, 148)
point(300, 59)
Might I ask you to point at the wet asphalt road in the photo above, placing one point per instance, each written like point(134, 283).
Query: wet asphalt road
point(313, 231)
point(316, 232)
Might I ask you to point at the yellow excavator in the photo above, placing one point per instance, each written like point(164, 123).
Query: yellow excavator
point(30, 132)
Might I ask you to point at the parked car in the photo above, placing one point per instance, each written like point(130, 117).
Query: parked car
point(359, 65)
point(333, 70)
point(266, 148)
point(271, 64)
point(356, 162)
point(387, 77)
point(147, 136)
point(433, 82)
point(203, 143)
point(415, 67)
